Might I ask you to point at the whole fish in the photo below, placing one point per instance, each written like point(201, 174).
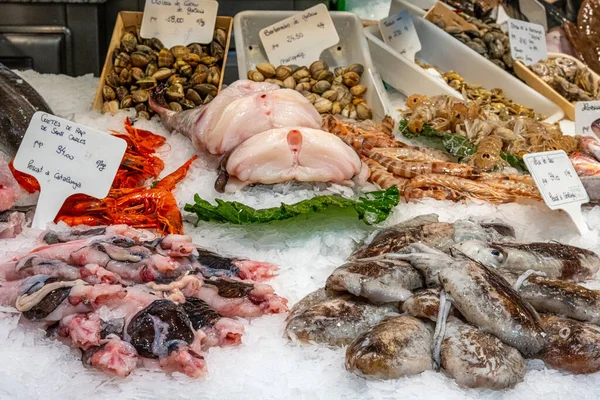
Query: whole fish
point(396, 347)
point(584, 165)
point(486, 301)
point(556, 260)
point(380, 281)
point(428, 230)
point(572, 345)
point(335, 321)
point(240, 111)
point(19, 102)
point(475, 359)
point(590, 145)
point(558, 297)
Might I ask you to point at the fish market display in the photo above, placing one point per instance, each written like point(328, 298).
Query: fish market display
point(9, 188)
point(337, 92)
point(572, 81)
point(241, 111)
point(191, 75)
point(103, 291)
point(19, 102)
point(486, 323)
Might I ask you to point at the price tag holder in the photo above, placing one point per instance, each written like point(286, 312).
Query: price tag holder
point(398, 31)
point(67, 158)
point(179, 22)
point(301, 38)
point(587, 118)
point(527, 41)
point(559, 184)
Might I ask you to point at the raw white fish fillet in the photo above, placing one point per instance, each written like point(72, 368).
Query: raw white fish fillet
point(295, 153)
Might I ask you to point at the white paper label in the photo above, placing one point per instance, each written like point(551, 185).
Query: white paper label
point(399, 32)
point(558, 183)
point(527, 41)
point(179, 22)
point(301, 38)
point(587, 118)
point(67, 158)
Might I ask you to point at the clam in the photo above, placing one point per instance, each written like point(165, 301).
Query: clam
point(339, 71)
point(177, 79)
point(198, 78)
point(208, 99)
point(108, 93)
point(187, 104)
point(217, 50)
point(301, 87)
point(147, 83)
point(330, 94)
point(363, 111)
point(186, 69)
point(321, 86)
point(289, 82)
point(350, 79)
point(121, 92)
point(358, 100)
point(123, 60)
point(175, 92)
point(137, 73)
point(112, 79)
point(128, 42)
point(325, 76)
point(356, 68)
point(317, 67)
point(141, 107)
point(156, 44)
point(358, 90)
point(214, 76)
point(142, 48)
point(336, 108)
point(346, 99)
point(192, 95)
point(175, 106)
point(165, 58)
point(208, 60)
point(192, 59)
point(307, 80)
point(283, 72)
point(163, 73)
point(323, 105)
point(110, 106)
point(201, 68)
point(274, 81)
point(300, 74)
point(256, 76)
point(127, 101)
point(151, 69)
point(220, 36)
point(206, 89)
point(125, 77)
point(140, 96)
point(267, 69)
point(349, 111)
point(143, 115)
point(195, 48)
point(312, 97)
point(180, 51)
point(139, 59)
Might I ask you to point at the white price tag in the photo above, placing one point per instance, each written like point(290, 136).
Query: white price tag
point(559, 184)
point(301, 38)
point(527, 41)
point(67, 158)
point(399, 32)
point(179, 22)
point(587, 118)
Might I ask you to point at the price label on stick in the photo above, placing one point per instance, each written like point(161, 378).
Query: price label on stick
point(67, 158)
point(559, 184)
point(587, 118)
point(179, 22)
point(527, 41)
point(301, 38)
point(399, 32)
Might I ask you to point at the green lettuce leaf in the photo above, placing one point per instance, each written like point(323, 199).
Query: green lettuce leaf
point(373, 207)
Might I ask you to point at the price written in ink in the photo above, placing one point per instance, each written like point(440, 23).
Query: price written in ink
point(527, 41)
point(180, 22)
point(67, 158)
point(398, 31)
point(301, 38)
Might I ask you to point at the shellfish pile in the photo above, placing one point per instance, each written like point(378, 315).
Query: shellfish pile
point(571, 81)
point(191, 74)
point(337, 92)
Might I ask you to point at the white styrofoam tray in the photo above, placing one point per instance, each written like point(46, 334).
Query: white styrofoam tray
point(352, 48)
point(416, 7)
point(441, 50)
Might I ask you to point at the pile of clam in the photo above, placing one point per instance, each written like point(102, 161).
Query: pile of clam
point(337, 92)
point(190, 74)
point(571, 81)
point(487, 39)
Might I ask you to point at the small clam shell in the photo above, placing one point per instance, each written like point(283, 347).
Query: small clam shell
point(141, 107)
point(208, 99)
point(175, 92)
point(151, 69)
point(358, 90)
point(201, 68)
point(143, 115)
point(325, 76)
point(346, 99)
point(363, 111)
point(453, 29)
point(208, 60)
point(110, 106)
point(128, 42)
point(312, 97)
point(125, 77)
point(214, 76)
point(274, 81)
point(206, 89)
point(290, 82)
point(356, 68)
point(330, 94)
point(175, 106)
point(144, 49)
point(349, 111)
point(283, 72)
point(187, 104)
point(336, 108)
point(163, 73)
point(301, 74)
point(123, 60)
point(267, 69)
point(140, 96)
point(192, 59)
point(112, 79)
point(127, 101)
point(137, 73)
point(339, 71)
point(256, 76)
point(358, 100)
point(317, 67)
point(350, 79)
point(192, 95)
point(195, 48)
point(177, 79)
point(323, 105)
point(220, 36)
point(321, 86)
point(156, 44)
point(139, 59)
point(308, 80)
point(121, 92)
point(147, 83)
point(301, 87)
point(108, 93)
point(216, 50)
point(186, 70)
point(198, 78)
point(180, 51)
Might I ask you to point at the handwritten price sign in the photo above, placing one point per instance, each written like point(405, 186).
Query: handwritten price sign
point(180, 22)
point(399, 32)
point(301, 38)
point(67, 158)
point(527, 41)
point(558, 183)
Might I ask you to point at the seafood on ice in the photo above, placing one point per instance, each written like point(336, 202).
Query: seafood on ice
point(475, 320)
point(126, 298)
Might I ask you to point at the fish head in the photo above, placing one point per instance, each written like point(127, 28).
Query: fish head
point(487, 254)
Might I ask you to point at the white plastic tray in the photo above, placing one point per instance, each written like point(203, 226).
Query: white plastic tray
point(352, 48)
point(416, 7)
point(446, 53)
